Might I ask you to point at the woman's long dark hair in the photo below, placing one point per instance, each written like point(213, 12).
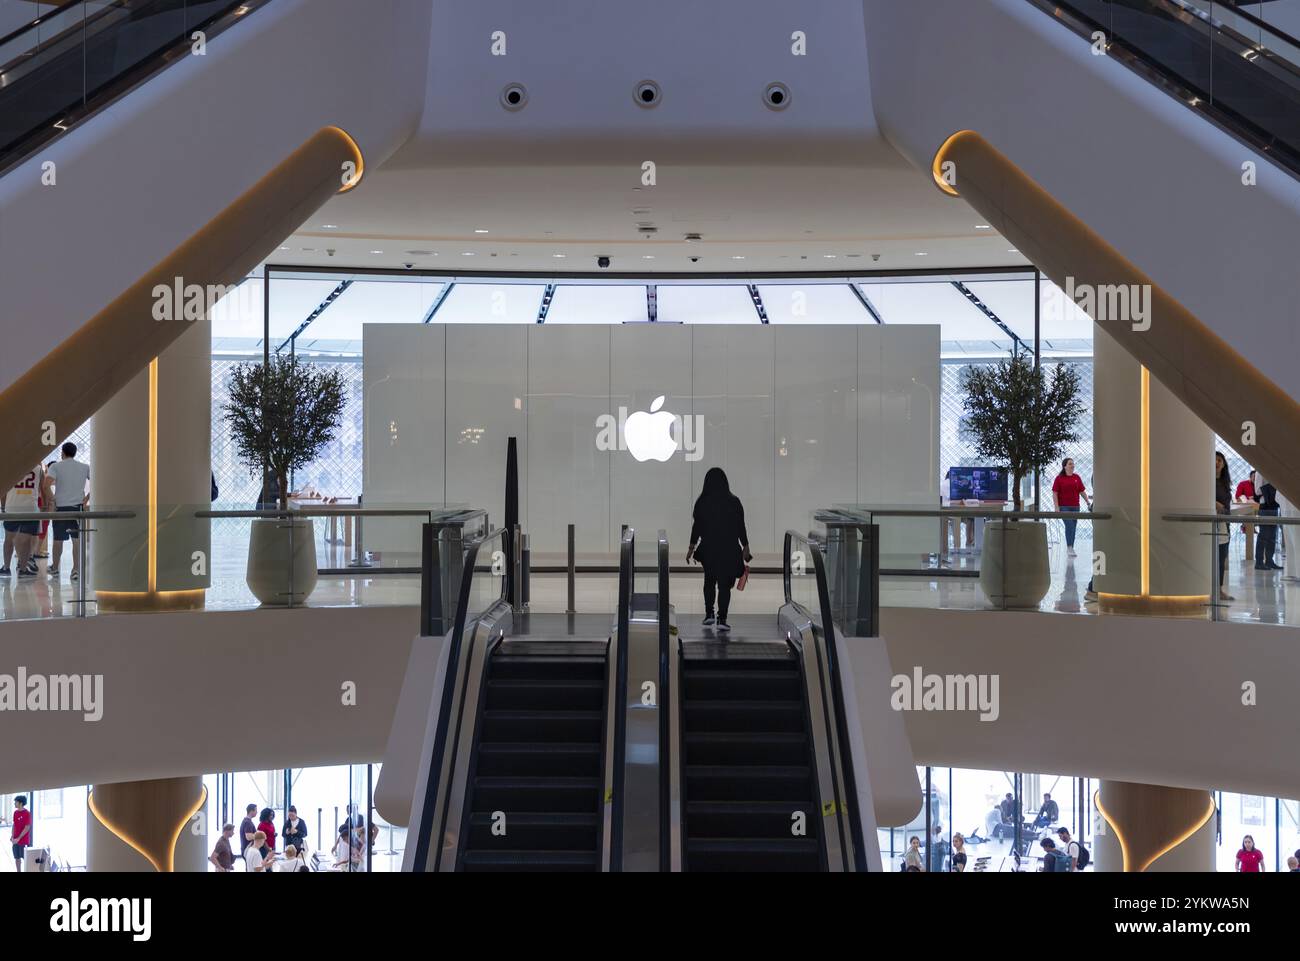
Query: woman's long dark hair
point(716, 488)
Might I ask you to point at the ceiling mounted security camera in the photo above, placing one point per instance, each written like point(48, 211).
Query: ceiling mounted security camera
point(602, 261)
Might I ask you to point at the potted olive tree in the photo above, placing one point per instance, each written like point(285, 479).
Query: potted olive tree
point(1018, 415)
point(281, 416)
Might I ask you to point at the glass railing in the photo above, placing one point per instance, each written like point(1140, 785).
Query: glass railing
point(1195, 563)
point(58, 580)
point(195, 558)
point(952, 557)
point(64, 65)
point(1224, 59)
point(1268, 592)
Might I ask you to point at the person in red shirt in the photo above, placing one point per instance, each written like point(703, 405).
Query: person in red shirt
point(21, 834)
point(268, 828)
point(1250, 859)
point(1066, 491)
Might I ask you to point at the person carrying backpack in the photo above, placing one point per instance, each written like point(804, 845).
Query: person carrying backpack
point(1077, 853)
point(1054, 861)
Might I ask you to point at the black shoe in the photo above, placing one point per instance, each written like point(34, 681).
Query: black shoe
point(28, 572)
point(709, 620)
point(5, 572)
point(723, 626)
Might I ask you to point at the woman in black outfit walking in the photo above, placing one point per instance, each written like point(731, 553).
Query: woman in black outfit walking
point(719, 542)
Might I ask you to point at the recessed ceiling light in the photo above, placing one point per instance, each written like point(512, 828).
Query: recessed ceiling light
point(922, 253)
point(1013, 251)
point(828, 256)
point(737, 257)
point(559, 256)
point(284, 248)
point(647, 256)
point(329, 226)
point(983, 227)
point(467, 253)
point(479, 230)
point(376, 251)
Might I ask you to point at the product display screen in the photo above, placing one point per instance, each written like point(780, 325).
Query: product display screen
point(977, 483)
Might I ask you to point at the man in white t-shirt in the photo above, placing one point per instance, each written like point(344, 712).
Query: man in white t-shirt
point(1070, 848)
point(70, 478)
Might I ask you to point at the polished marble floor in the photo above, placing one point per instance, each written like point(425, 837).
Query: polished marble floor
point(1263, 597)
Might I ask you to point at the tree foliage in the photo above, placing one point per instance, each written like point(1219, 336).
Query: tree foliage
point(1015, 414)
point(283, 415)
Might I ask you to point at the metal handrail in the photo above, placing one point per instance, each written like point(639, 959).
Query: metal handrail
point(843, 764)
point(428, 833)
point(851, 515)
point(1261, 519)
point(69, 516)
point(666, 755)
point(626, 573)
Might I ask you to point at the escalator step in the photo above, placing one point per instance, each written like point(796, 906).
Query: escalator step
point(532, 795)
point(530, 861)
point(542, 726)
point(749, 819)
point(536, 832)
point(743, 685)
point(744, 747)
point(562, 694)
point(547, 758)
point(748, 782)
point(751, 716)
point(541, 667)
point(753, 854)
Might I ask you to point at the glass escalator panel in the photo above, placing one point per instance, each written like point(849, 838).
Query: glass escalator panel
point(1221, 58)
point(63, 65)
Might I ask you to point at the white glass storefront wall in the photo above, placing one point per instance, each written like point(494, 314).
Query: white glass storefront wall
point(813, 304)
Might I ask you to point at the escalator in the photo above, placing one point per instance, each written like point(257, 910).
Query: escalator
point(73, 60)
point(615, 743)
point(764, 774)
point(1230, 63)
point(747, 759)
point(538, 758)
point(521, 772)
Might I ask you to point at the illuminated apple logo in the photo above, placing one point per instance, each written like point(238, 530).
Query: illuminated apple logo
point(648, 434)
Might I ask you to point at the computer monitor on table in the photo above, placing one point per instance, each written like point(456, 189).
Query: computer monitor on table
point(977, 483)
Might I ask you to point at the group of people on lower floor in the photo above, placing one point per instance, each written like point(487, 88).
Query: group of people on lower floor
point(59, 486)
point(1060, 852)
point(258, 840)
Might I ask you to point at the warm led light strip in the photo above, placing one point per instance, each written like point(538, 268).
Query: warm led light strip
point(175, 835)
point(153, 476)
point(1123, 846)
point(1145, 549)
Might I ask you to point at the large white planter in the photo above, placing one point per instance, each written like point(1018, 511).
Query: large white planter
point(1014, 569)
point(269, 564)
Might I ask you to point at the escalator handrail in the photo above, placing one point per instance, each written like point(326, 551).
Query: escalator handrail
point(665, 754)
point(43, 18)
point(1246, 15)
point(1213, 109)
point(426, 832)
point(626, 572)
point(845, 760)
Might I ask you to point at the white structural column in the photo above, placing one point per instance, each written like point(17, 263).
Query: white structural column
point(1146, 827)
point(1153, 457)
point(152, 455)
